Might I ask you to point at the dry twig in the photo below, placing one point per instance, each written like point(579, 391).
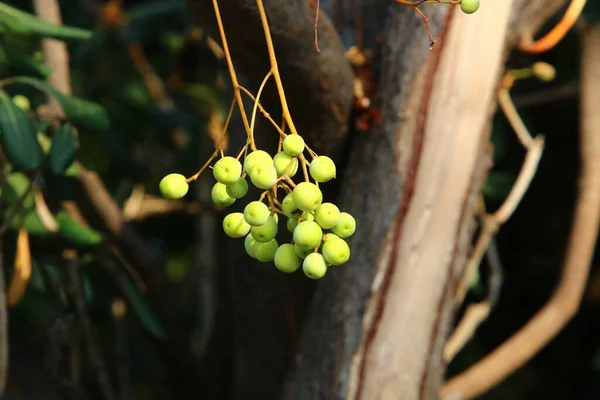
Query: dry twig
point(564, 303)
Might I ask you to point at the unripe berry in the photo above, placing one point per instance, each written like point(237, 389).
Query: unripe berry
point(286, 259)
point(289, 208)
point(544, 71)
point(469, 6)
point(266, 232)
point(235, 226)
point(282, 162)
point(327, 215)
point(307, 216)
point(22, 102)
point(249, 245)
point(308, 235)
point(173, 186)
point(314, 266)
point(307, 196)
point(345, 226)
point(293, 145)
point(263, 176)
point(265, 252)
point(302, 252)
point(227, 170)
point(336, 251)
point(255, 158)
point(291, 224)
point(238, 189)
point(220, 196)
point(322, 169)
point(256, 213)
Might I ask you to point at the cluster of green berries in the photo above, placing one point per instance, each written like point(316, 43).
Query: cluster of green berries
point(318, 228)
point(469, 6)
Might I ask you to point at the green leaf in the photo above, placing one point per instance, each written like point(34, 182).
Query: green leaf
point(80, 112)
point(140, 305)
point(19, 63)
point(26, 24)
point(62, 152)
point(16, 186)
point(18, 137)
point(76, 233)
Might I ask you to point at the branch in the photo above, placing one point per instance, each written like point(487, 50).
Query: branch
point(564, 303)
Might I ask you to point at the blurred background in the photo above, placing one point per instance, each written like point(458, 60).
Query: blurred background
point(162, 81)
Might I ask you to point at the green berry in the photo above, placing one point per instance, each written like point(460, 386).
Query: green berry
point(302, 252)
point(290, 208)
point(249, 245)
point(255, 158)
point(265, 252)
point(293, 145)
point(469, 6)
point(307, 216)
point(336, 251)
point(286, 259)
point(235, 226)
point(322, 169)
point(263, 176)
point(22, 102)
point(282, 162)
point(266, 232)
point(307, 196)
point(227, 170)
point(256, 213)
point(345, 226)
point(327, 237)
point(327, 215)
point(238, 189)
point(220, 196)
point(314, 266)
point(291, 224)
point(173, 186)
point(308, 235)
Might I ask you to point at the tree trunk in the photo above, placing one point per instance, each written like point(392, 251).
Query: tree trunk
point(377, 325)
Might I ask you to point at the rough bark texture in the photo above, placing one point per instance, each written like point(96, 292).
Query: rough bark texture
point(377, 325)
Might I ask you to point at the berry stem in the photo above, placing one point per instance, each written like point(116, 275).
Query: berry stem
point(304, 170)
point(260, 89)
point(262, 110)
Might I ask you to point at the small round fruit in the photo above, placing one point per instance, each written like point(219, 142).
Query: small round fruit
point(263, 176)
point(255, 158)
point(265, 252)
point(307, 196)
point(293, 145)
point(336, 251)
point(345, 226)
point(314, 266)
point(266, 232)
point(238, 189)
point(235, 226)
point(301, 252)
point(469, 6)
point(249, 245)
point(256, 213)
point(327, 215)
point(220, 196)
point(173, 186)
point(282, 161)
point(289, 208)
point(291, 224)
point(308, 234)
point(322, 169)
point(307, 216)
point(22, 102)
point(327, 237)
point(227, 170)
point(286, 259)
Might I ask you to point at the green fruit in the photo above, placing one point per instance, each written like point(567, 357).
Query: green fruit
point(263, 176)
point(293, 145)
point(301, 252)
point(336, 251)
point(307, 196)
point(286, 259)
point(235, 226)
point(220, 196)
point(290, 208)
point(322, 169)
point(255, 158)
point(238, 189)
point(249, 245)
point(345, 226)
point(227, 170)
point(291, 224)
point(266, 232)
point(265, 252)
point(469, 6)
point(22, 102)
point(314, 266)
point(308, 235)
point(282, 162)
point(256, 213)
point(307, 216)
point(327, 237)
point(173, 186)
point(327, 215)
